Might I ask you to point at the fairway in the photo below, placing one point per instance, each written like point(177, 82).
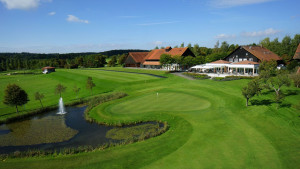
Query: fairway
point(45, 84)
point(209, 125)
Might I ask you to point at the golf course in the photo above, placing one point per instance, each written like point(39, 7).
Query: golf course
point(209, 123)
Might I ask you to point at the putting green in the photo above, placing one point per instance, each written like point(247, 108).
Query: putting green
point(169, 101)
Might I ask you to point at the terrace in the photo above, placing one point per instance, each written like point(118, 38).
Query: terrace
point(223, 68)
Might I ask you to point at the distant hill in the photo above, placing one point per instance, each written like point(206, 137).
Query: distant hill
point(121, 51)
point(25, 55)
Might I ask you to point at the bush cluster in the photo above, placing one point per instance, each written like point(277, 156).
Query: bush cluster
point(197, 76)
point(229, 78)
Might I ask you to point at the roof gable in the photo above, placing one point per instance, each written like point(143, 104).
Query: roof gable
point(138, 57)
point(262, 53)
point(156, 53)
point(297, 53)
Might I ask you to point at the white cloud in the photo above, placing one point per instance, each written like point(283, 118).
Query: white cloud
point(157, 23)
point(22, 4)
point(72, 18)
point(233, 3)
point(266, 32)
point(224, 36)
point(51, 13)
point(158, 43)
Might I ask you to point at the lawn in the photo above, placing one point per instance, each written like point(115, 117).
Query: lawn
point(210, 127)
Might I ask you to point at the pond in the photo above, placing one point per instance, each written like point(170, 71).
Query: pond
point(51, 131)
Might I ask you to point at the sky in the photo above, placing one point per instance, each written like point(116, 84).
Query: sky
point(66, 26)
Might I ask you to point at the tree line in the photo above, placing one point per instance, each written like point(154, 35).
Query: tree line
point(20, 61)
point(285, 48)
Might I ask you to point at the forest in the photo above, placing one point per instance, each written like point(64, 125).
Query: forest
point(19, 61)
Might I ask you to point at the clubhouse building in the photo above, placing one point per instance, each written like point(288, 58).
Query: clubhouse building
point(151, 59)
point(243, 61)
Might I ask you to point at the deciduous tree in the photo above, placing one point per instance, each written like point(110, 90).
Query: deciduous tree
point(59, 89)
point(90, 84)
point(76, 90)
point(15, 96)
point(39, 96)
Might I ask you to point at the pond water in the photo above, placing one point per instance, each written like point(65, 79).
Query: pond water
point(52, 131)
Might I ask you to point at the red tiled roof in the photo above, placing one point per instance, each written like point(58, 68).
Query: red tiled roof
point(156, 53)
point(297, 53)
point(246, 62)
point(220, 62)
point(48, 67)
point(151, 63)
point(138, 57)
point(262, 53)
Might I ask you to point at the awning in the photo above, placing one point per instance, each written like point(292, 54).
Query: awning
point(202, 67)
point(151, 63)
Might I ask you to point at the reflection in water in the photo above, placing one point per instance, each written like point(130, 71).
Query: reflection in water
point(51, 131)
point(48, 129)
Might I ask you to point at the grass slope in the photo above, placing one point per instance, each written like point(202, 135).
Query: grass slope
point(210, 127)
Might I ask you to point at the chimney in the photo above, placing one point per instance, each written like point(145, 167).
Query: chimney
point(168, 48)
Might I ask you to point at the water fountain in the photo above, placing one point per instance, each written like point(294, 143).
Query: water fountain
point(61, 107)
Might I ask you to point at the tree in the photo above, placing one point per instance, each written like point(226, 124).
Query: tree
point(182, 45)
point(112, 62)
point(122, 59)
point(224, 47)
point(277, 82)
point(76, 90)
point(90, 84)
point(166, 59)
point(39, 96)
point(267, 69)
point(217, 45)
point(177, 59)
point(189, 61)
point(15, 96)
point(249, 91)
point(296, 79)
point(60, 89)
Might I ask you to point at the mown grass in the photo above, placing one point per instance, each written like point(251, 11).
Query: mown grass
point(209, 127)
point(45, 84)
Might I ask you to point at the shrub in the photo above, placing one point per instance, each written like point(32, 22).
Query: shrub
point(218, 78)
point(197, 76)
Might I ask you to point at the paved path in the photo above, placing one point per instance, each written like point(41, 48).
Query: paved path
point(182, 75)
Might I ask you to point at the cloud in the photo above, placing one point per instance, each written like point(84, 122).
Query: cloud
point(51, 13)
point(22, 4)
point(158, 43)
point(266, 32)
point(224, 36)
point(157, 23)
point(72, 18)
point(233, 3)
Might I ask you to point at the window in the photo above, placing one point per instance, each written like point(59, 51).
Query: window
point(246, 54)
point(230, 59)
point(250, 59)
point(240, 59)
point(245, 58)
